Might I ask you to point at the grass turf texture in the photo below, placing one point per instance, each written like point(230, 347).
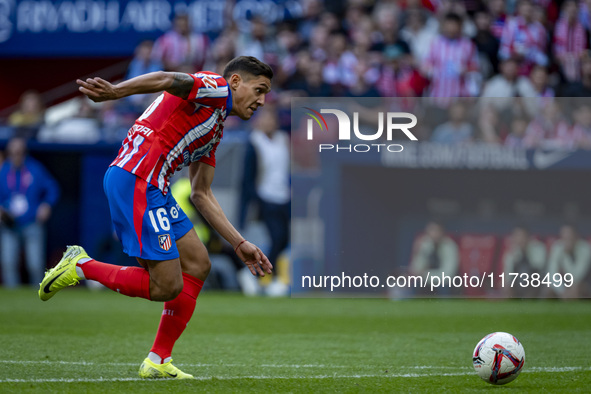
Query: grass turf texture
point(82, 341)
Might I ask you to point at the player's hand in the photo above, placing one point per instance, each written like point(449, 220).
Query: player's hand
point(254, 258)
point(97, 89)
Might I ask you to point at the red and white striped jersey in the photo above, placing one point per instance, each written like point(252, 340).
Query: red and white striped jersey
point(173, 132)
point(452, 66)
point(524, 39)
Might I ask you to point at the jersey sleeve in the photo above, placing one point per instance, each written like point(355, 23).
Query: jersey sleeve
point(210, 157)
point(208, 89)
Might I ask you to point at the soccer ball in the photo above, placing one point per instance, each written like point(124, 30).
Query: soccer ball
point(498, 358)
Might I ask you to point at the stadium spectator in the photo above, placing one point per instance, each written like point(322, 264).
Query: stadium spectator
point(27, 194)
point(457, 130)
point(570, 254)
point(313, 84)
point(584, 14)
point(435, 253)
point(309, 22)
point(490, 128)
point(580, 88)
point(30, 111)
point(289, 42)
point(339, 68)
point(500, 91)
point(81, 128)
point(570, 41)
point(363, 86)
point(221, 52)
point(546, 130)
point(498, 15)
point(142, 63)
point(581, 128)
point(524, 38)
point(319, 43)
point(523, 255)
point(259, 42)
point(398, 75)
point(180, 46)
point(417, 34)
point(452, 63)
point(539, 79)
point(265, 181)
point(486, 43)
point(517, 130)
point(386, 16)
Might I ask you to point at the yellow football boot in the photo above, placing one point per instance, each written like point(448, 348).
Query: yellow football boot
point(63, 274)
point(150, 370)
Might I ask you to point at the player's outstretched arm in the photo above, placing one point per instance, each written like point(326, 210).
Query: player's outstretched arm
point(201, 177)
point(97, 89)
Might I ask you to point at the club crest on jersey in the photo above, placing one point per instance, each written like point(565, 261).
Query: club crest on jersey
point(209, 82)
point(164, 241)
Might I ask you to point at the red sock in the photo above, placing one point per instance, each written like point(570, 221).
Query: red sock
point(129, 281)
point(175, 316)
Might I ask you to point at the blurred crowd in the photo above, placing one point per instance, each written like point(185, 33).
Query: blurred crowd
point(526, 51)
point(521, 255)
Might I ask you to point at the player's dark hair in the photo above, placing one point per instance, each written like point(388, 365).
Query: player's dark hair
point(248, 65)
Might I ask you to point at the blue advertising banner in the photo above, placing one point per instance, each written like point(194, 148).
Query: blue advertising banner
point(114, 27)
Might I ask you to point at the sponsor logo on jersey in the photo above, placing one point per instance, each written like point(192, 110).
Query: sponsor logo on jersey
point(164, 241)
point(209, 82)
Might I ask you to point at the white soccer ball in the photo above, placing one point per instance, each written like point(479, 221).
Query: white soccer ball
point(498, 358)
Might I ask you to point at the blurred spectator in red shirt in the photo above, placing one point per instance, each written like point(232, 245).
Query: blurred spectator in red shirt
point(398, 76)
point(180, 46)
point(570, 41)
point(524, 38)
point(452, 63)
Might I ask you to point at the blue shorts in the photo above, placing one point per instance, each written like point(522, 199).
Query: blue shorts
point(146, 221)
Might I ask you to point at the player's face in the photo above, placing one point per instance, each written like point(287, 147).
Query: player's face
point(249, 94)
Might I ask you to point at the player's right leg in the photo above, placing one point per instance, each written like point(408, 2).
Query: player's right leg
point(133, 206)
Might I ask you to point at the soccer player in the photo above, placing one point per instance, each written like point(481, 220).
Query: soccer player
point(182, 127)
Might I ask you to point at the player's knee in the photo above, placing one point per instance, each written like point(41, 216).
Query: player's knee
point(200, 269)
point(175, 291)
point(166, 291)
point(206, 267)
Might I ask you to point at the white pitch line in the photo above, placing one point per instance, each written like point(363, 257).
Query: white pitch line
point(85, 363)
point(295, 366)
point(266, 377)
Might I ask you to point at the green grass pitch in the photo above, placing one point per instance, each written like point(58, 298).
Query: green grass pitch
point(82, 341)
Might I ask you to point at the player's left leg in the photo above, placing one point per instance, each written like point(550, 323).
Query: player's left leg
point(195, 265)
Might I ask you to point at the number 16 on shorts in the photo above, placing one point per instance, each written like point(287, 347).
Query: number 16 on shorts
point(161, 216)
